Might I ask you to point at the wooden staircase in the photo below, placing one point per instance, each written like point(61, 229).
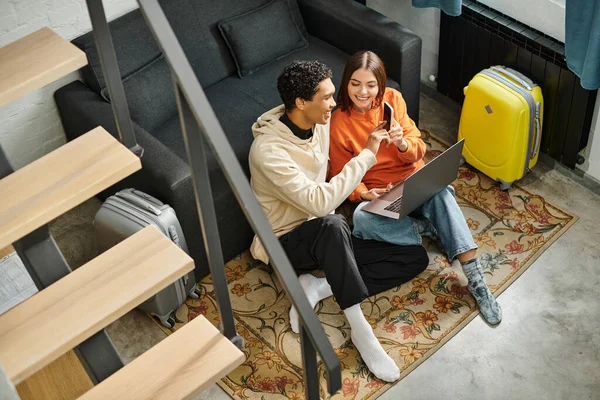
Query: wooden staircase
point(66, 313)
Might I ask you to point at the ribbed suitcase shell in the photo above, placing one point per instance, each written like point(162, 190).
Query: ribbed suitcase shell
point(501, 122)
point(126, 213)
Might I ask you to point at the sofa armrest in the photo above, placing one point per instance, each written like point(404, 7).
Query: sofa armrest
point(351, 27)
point(81, 109)
point(163, 173)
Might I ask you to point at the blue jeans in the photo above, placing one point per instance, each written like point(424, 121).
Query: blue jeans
point(439, 218)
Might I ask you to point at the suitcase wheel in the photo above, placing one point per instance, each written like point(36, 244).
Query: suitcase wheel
point(169, 321)
point(194, 294)
point(504, 185)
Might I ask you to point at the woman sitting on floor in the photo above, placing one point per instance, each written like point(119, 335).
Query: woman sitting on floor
point(361, 97)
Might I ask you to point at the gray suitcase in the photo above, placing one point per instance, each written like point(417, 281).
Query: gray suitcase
point(128, 212)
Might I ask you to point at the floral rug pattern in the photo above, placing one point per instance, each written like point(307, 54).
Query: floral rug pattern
point(412, 321)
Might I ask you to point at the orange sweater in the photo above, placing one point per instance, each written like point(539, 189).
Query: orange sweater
point(349, 134)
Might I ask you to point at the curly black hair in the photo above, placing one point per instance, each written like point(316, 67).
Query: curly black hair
point(301, 79)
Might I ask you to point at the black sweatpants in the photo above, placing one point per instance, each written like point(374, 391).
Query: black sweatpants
point(354, 268)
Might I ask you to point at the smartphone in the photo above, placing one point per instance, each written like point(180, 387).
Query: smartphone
point(388, 115)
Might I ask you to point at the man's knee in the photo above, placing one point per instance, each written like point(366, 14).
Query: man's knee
point(422, 259)
point(335, 223)
point(415, 260)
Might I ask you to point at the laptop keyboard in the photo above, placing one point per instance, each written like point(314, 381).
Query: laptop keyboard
point(395, 205)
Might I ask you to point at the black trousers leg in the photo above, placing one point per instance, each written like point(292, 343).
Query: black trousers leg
point(326, 243)
point(384, 266)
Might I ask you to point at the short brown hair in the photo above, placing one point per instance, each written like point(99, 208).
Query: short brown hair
point(301, 80)
point(370, 61)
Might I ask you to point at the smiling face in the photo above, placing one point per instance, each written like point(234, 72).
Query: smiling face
point(318, 110)
point(363, 82)
point(362, 89)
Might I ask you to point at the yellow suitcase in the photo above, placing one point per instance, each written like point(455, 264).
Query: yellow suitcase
point(501, 122)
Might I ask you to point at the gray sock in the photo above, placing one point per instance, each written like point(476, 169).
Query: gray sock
point(488, 306)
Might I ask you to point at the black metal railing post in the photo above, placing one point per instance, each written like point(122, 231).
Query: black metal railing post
point(189, 89)
point(310, 369)
point(194, 144)
point(112, 76)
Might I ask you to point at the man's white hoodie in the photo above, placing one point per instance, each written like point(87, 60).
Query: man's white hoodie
point(289, 175)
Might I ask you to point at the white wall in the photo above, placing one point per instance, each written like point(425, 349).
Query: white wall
point(547, 16)
point(592, 151)
point(30, 127)
point(425, 22)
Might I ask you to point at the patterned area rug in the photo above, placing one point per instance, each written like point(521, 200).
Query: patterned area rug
point(412, 321)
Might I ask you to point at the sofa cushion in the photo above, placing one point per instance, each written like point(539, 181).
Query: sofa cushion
point(249, 36)
point(134, 46)
point(195, 25)
point(150, 94)
point(239, 102)
point(261, 87)
point(217, 60)
point(236, 112)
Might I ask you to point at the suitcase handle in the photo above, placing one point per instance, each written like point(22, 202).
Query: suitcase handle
point(511, 74)
point(538, 131)
point(148, 197)
point(520, 75)
point(138, 202)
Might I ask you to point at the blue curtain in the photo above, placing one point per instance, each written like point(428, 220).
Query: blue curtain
point(582, 40)
point(450, 7)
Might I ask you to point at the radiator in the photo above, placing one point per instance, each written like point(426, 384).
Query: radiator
point(481, 37)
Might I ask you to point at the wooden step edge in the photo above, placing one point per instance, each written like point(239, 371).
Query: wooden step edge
point(6, 251)
point(53, 321)
point(182, 365)
point(62, 179)
point(34, 61)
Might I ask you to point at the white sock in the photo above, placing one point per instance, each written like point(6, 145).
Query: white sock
point(316, 289)
point(376, 359)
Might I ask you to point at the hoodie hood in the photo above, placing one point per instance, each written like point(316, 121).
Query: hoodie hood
point(269, 124)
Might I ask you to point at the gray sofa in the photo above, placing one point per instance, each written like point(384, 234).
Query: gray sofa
point(329, 30)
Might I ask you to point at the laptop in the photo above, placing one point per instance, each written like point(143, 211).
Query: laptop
point(419, 187)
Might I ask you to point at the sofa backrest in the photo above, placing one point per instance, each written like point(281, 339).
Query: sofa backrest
point(143, 69)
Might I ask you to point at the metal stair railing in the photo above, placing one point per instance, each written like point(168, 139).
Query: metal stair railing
point(200, 127)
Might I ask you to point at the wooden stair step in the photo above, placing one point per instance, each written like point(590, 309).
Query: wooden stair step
point(50, 186)
point(34, 61)
point(62, 379)
point(53, 321)
point(182, 365)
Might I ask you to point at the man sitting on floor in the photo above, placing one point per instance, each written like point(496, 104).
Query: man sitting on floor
point(288, 164)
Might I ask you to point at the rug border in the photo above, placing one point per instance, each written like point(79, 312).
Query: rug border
point(528, 263)
point(460, 324)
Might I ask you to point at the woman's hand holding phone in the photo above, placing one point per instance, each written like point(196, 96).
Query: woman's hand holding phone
point(376, 137)
point(396, 136)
